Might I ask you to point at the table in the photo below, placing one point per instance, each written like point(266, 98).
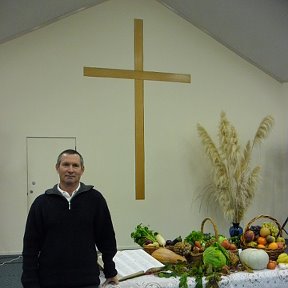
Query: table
point(258, 279)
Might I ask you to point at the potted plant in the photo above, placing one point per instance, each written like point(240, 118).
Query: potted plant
point(234, 180)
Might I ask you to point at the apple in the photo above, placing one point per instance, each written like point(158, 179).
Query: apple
point(280, 245)
point(249, 236)
point(270, 239)
point(280, 239)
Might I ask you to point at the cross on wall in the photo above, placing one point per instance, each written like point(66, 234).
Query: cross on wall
point(139, 75)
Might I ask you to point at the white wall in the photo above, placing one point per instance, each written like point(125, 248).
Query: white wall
point(43, 93)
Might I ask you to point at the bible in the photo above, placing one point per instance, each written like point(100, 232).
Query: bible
point(133, 263)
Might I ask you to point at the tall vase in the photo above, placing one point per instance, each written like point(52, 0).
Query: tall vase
point(235, 230)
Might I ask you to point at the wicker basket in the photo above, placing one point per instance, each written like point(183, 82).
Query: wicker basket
point(273, 254)
point(196, 257)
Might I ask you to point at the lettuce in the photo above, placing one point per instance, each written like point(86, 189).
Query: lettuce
point(214, 256)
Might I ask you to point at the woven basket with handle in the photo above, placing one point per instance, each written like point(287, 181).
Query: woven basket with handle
point(195, 257)
point(273, 254)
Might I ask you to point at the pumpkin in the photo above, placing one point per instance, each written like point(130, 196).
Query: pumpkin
point(166, 256)
point(256, 259)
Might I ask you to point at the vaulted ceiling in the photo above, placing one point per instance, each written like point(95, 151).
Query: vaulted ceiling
point(256, 30)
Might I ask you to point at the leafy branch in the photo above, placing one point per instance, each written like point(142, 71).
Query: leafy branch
point(196, 270)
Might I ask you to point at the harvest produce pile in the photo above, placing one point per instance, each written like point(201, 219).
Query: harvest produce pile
point(200, 254)
point(264, 236)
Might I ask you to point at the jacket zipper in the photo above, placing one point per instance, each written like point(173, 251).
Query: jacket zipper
point(69, 201)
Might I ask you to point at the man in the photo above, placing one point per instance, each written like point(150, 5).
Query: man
point(63, 226)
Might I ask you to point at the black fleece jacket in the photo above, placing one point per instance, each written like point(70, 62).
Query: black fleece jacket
point(59, 240)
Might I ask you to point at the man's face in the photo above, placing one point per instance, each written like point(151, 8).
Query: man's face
point(70, 170)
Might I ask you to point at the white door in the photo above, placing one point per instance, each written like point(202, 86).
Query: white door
point(42, 153)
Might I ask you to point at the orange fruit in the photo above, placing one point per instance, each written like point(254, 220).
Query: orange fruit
point(261, 246)
point(262, 240)
point(271, 265)
point(273, 246)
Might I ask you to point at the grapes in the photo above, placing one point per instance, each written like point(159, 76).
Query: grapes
point(255, 229)
point(273, 228)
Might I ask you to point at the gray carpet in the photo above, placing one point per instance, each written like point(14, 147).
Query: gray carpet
point(10, 271)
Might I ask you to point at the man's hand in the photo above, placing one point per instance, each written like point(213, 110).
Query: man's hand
point(113, 280)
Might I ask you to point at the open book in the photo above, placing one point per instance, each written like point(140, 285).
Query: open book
point(132, 263)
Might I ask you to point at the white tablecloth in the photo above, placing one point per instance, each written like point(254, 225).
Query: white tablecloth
point(258, 279)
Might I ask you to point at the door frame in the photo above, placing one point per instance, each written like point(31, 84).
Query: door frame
point(27, 158)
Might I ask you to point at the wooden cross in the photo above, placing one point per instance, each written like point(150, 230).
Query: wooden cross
point(139, 75)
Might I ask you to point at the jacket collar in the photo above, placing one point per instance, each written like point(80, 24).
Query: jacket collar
point(83, 188)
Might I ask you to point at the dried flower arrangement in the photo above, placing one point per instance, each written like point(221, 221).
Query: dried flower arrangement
point(234, 181)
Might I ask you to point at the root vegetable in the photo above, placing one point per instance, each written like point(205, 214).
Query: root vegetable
point(160, 239)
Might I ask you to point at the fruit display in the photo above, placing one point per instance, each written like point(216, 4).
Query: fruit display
point(200, 254)
point(194, 243)
point(265, 236)
point(270, 228)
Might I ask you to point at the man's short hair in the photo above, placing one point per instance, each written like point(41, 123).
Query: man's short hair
point(70, 152)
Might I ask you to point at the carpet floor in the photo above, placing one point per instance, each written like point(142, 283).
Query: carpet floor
point(10, 271)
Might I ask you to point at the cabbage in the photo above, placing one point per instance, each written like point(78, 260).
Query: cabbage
point(214, 256)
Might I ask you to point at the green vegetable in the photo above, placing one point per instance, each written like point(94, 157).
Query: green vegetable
point(183, 281)
point(142, 234)
point(236, 240)
point(197, 270)
point(183, 271)
point(194, 236)
point(221, 238)
point(198, 236)
point(214, 256)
